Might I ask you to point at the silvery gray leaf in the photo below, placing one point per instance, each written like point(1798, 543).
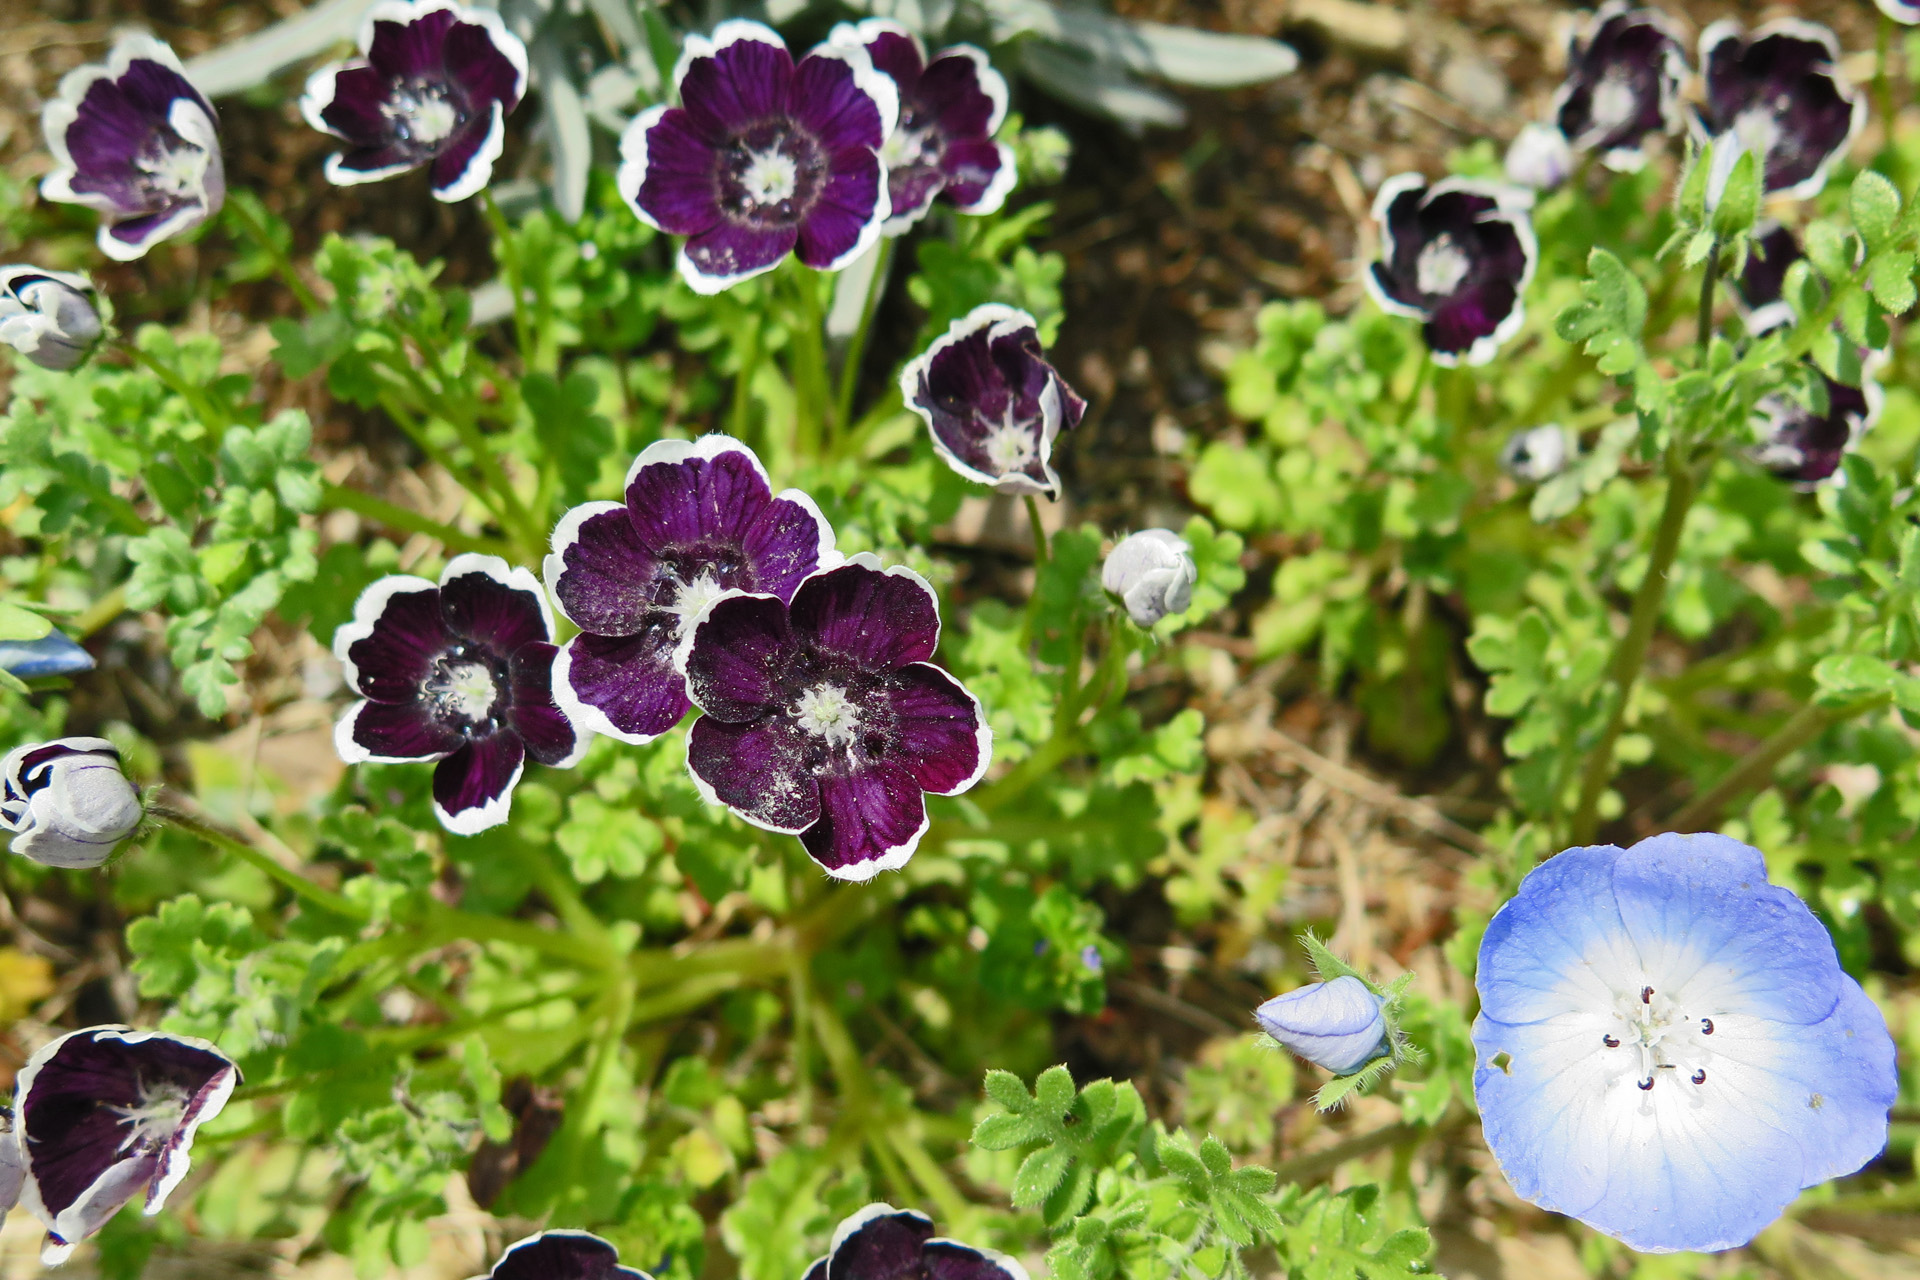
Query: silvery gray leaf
point(928, 17)
point(1106, 90)
point(1183, 55)
point(621, 22)
point(612, 91)
point(255, 59)
point(569, 141)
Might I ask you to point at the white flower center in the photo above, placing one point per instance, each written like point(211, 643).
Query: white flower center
point(469, 690)
point(771, 177)
point(825, 711)
point(1010, 446)
point(1614, 101)
point(421, 113)
point(1758, 130)
point(1659, 1038)
point(174, 171)
point(1441, 266)
point(906, 146)
point(692, 598)
point(154, 1119)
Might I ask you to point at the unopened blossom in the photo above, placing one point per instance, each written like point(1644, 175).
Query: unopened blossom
point(1799, 444)
point(1775, 91)
point(1900, 11)
point(1761, 287)
point(1668, 1049)
point(1153, 574)
point(1458, 256)
point(104, 1112)
point(54, 654)
point(458, 672)
point(433, 86)
point(992, 402)
point(1539, 157)
point(763, 157)
point(950, 108)
point(67, 802)
point(826, 719)
point(1537, 453)
point(1337, 1025)
point(562, 1255)
point(700, 519)
point(1624, 74)
point(880, 1242)
point(48, 316)
point(134, 139)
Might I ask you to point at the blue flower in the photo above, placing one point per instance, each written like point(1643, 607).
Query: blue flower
point(1337, 1025)
point(1668, 1048)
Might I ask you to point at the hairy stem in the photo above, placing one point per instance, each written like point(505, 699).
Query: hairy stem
point(340, 498)
point(814, 422)
point(184, 813)
point(1756, 767)
point(508, 256)
point(242, 212)
point(1038, 530)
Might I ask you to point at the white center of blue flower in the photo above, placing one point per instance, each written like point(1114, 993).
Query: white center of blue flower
point(1010, 446)
point(826, 712)
point(770, 177)
point(469, 690)
point(1615, 101)
point(1441, 266)
point(153, 1120)
point(1658, 1039)
point(692, 599)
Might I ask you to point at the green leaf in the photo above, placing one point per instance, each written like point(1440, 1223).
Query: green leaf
point(1053, 1092)
point(1739, 200)
point(1039, 1174)
point(1890, 278)
point(1874, 203)
point(1005, 1088)
point(17, 623)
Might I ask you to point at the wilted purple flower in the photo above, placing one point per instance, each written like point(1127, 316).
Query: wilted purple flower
point(763, 157)
point(48, 316)
point(1538, 453)
point(102, 1112)
point(1776, 92)
point(1761, 288)
point(67, 802)
point(1805, 447)
point(1623, 84)
point(1539, 157)
point(950, 108)
point(432, 86)
point(460, 673)
point(562, 1255)
point(1457, 255)
point(881, 1242)
point(134, 139)
point(700, 520)
point(991, 400)
point(825, 719)
point(1152, 572)
point(1337, 1025)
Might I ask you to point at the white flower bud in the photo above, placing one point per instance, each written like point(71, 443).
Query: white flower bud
point(1539, 157)
point(48, 316)
point(1152, 572)
point(1538, 453)
point(1337, 1025)
point(67, 802)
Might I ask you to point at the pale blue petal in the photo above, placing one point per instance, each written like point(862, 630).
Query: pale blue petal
point(1558, 945)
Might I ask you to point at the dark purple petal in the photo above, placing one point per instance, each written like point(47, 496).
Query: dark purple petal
point(707, 494)
point(1763, 280)
point(787, 543)
point(562, 1255)
point(680, 192)
point(911, 189)
point(730, 252)
point(1805, 447)
point(818, 1271)
point(119, 121)
point(465, 161)
point(473, 787)
point(951, 98)
point(830, 101)
point(992, 402)
point(878, 619)
point(482, 600)
point(869, 822)
point(1776, 89)
point(738, 657)
point(748, 77)
point(951, 1260)
point(353, 109)
point(395, 731)
point(397, 634)
point(544, 728)
point(1466, 318)
point(879, 1243)
point(411, 49)
point(757, 769)
point(1622, 83)
point(630, 681)
point(938, 729)
point(894, 53)
point(604, 573)
point(971, 168)
point(841, 219)
point(474, 61)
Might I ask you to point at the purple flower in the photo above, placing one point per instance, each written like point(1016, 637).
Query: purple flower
point(763, 157)
point(134, 139)
point(1805, 447)
point(1457, 255)
point(562, 1255)
point(992, 401)
point(67, 802)
point(700, 520)
point(432, 86)
point(460, 673)
point(48, 316)
point(881, 1242)
point(824, 718)
point(1775, 92)
point(102, 1112)
point(950, 108)
point(1761, 288)
point(1623, 84)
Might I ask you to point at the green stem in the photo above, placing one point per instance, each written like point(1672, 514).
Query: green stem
point(99, 613)
point(1883, 75)
point(514, 514)
point(241, 211)
point(814, 425)
point(857, 348)
point(561, 891)
point(340, 498)
point(508, 256)
point(1040, 555)
point(1420, 378)
point(740, 412)
point(182, 812)
point(197, 399)
point(1756, 767)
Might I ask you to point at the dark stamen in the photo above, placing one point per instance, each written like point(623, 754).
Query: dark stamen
point(1610, 1042)
point(1647, 1083)
point(1706, 1026)
point(1700, 1076)
point(1646, 995)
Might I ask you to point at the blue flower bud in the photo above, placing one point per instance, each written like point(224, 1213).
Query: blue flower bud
point(1337, 1025)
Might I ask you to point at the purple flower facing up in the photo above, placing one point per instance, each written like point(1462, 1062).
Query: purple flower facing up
point(992, 402)
point(460, 672)
point(700, 520)
point(1761, 288)
point(67, 802)
point(134, 139)
point(1775, 91)
point(1623, 84)
point(881, 1242)
point(432, 86)
point(1805, 447)
point(950, 108)
point(1457, 255)
point(103, 1112)
point(763, 157)
point(1668, 1049)
point(562, 1255)
point(825, 718)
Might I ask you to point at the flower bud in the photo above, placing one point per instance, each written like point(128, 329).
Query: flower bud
point(1538, 453)
point(67, 802)
point(1152, 572)
point(1337, 1025)
point(48, 316)
point(1539, 157)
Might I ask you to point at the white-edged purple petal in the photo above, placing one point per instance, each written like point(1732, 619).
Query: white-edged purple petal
point(1805, 447)
point(880, 1242)
point(1761, 287)
point(473, 787)
point(559, 1254)
point(1624, 76)
point(1458, 255)
point(101, 1113)
point(1778, 93)
point(877, 617)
